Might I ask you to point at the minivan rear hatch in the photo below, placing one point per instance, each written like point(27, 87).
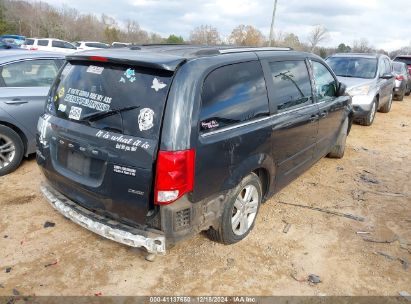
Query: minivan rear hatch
point(99, 137)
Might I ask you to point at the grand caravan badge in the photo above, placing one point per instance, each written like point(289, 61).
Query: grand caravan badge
point(146, 119)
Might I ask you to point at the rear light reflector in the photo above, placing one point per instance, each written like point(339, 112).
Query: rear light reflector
point(174, 175)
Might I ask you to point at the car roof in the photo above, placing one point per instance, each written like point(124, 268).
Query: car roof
point(165, 56)
point(12, 55)
point(361, 55)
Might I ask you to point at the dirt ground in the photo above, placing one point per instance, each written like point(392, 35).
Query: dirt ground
point(373, 181)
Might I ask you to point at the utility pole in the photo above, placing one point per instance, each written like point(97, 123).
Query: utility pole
point(272, 24)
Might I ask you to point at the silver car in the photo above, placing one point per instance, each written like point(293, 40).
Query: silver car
point(402, 80)
point(25, 79)
point(369, 81)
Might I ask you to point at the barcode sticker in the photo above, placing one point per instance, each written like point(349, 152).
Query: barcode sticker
point(75, 113)
point(95, 69)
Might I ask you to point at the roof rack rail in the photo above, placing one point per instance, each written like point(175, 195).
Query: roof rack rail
point(253, 49)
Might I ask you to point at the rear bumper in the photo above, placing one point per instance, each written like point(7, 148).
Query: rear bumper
point(153, 241)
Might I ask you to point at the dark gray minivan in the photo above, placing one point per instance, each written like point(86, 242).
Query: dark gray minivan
point(150, 145)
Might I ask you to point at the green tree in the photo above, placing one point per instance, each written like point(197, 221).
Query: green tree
point(342, 48)
point(174, 39)
point(111, 34)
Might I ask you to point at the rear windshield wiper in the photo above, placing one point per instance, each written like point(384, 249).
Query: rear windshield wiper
point(100, 115)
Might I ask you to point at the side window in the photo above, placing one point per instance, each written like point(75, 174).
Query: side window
point(57, 44)
point(381, 67)
point(43, 42)
point(388, 68)
point(29, 73)
point(233, 94)
point(67, 45)
point(292, 86)
point(325, 83)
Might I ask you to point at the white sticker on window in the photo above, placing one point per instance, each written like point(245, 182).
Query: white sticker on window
point(62, 107)
point(158, 85)
point(95, 69)
point(75, 113)
point(146, 119)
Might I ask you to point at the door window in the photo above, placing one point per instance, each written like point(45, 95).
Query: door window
point(292, 86)
point(233, 94)
point(29, 73)
point(43, 42)
point(325, 83)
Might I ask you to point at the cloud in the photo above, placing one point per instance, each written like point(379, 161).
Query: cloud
point(383, 23)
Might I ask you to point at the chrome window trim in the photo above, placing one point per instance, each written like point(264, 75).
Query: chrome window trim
point(251, 122)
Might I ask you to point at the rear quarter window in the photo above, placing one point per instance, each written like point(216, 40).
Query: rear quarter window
point(43, 42)
point(233, 94)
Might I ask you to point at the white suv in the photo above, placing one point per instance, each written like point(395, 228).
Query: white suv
point(48, 44)
point(90, 45)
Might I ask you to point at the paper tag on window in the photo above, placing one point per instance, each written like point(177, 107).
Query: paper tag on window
point(75, 113)
point(95, 69)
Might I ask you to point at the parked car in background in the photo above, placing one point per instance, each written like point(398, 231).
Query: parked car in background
point(7, 46)
point(17, 40)
point(369, 81)
point(150, 147)
point(402, 80)
point(25, 79)
point(47, 44)
point(406, 59)
point(120, 44)
point(90, 45)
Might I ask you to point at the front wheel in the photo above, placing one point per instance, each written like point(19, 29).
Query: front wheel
point(387, 107)
point(239, 212)
point(339, 148)
point(369, 119)
point(11, 150)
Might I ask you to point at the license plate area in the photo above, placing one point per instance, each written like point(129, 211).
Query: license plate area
point(78, 163)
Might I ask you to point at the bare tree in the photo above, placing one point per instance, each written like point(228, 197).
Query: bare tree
point(205, 34)
point(317, 35)
point(246, 35)
point(362, 46)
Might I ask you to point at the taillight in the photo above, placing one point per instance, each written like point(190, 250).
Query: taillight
point(33, 49)
point(174, 175)
point(399, 77)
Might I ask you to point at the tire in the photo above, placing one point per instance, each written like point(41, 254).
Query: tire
point(387, 107)
point(11, 150)
point(369, 119)
point(339, 148)
point(407, 91)
point(401, 96)
point(229, 232)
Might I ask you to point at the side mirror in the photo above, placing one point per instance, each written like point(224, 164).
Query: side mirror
point(387, 76)
point(342, 89)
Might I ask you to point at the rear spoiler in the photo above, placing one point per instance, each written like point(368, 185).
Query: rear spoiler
point(142, 59)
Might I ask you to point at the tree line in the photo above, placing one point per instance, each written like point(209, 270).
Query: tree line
point(40, 19)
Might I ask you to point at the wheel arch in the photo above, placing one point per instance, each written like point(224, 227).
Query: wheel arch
point(19, 132)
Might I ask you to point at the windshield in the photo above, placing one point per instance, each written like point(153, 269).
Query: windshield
point(356, 67)
point(130, 99)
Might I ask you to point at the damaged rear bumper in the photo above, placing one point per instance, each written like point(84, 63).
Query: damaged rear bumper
point(154, 242)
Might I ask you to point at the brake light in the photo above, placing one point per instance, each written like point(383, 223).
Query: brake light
point(33, 49)
point(399, 77)
point(98, 58)
point(174, 175)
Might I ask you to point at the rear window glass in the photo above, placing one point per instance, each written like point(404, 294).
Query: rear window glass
point(43, 42)
point(398, 67)
point(123, 99)
point(233, 94)
point(29, 42)
point(406, 60)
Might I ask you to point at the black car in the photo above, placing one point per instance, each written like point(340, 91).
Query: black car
point(150, 145)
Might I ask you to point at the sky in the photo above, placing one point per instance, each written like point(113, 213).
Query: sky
point(385, 24)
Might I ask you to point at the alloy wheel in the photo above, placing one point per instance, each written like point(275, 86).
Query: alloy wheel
point(7, 151)
point(245, 210)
